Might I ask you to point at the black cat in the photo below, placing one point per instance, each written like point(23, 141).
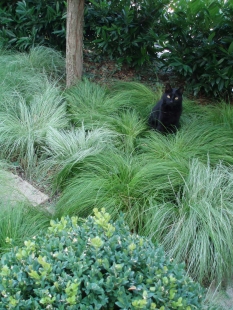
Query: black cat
point(166, 114)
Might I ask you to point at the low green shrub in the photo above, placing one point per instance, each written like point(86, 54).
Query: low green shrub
point(96, 265)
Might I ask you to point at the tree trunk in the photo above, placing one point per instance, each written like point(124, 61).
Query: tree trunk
point(74, 41)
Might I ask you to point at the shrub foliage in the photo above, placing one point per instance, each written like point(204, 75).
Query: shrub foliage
point(197, 34)
point(96, 265)
point(125, 30)
point(200, 44)
point(32, 22)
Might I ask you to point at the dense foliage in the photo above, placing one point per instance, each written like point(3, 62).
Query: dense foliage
point(94, 265)
point(200, 45)
point(197, 35)
point(125, 30)
point(25, 24)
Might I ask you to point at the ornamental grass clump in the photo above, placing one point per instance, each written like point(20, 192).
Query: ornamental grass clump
point(47, 60)
point(118, 181)
point(129, 125)
point(19, 221)
point(197, 227)
point(93, 265)
point(28, 74)
point(66, 150)
point(195, 139)
point(137, 95)
point(90, 103)
point(24, 126)
point(221, 114)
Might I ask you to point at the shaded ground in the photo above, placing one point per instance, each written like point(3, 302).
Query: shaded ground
point(103, 71)
point(107, 71)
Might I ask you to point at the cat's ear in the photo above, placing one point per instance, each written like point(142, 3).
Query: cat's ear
point(180, 90)
point(168, 88)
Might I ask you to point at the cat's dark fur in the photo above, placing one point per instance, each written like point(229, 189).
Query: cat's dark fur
point(165, 115)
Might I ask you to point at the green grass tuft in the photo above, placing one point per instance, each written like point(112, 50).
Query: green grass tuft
point(221, 114)
point(89, 104)
point(130, 127)
point(47, 60)
point(23, 127)
point(196, 139)
point(197, 228)
point(137, 96)
point(20, 222)
point(118, 181)
point(66, 150)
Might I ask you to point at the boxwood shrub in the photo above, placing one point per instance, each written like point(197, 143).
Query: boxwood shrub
point(95, 264)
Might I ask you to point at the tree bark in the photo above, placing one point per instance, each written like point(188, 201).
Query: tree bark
point(74, 41)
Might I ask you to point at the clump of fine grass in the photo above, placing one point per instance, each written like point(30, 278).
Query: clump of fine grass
point(103, 183)
point(96, 106)
point(118, 181)
point(67, 149)
point(221, 114)
point(137, 96)
point(20, 222)
point(196, 138)
point(47, 60)
point(88, 103)
point(23, 127)
point(197, 228)
point(192, 108)
point(130, 127)
point(28, 74)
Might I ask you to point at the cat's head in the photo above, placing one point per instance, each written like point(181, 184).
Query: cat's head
point(172, 96)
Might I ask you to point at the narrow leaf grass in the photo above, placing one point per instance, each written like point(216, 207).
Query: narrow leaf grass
point(90, 104)
point(137, 95)
point(67, 149)
point(221, 114)
point(28, 74)
point(103, 154)
point(47, 60)
point(130, 127)
point(117, 181)
point(20, 222)
point(196, 139)
point(23, 127)
point(197, 228)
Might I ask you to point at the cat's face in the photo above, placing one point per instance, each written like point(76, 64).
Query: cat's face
point(172, 96)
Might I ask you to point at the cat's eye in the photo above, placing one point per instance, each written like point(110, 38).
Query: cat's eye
point(168, 96)
point(176, 98)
